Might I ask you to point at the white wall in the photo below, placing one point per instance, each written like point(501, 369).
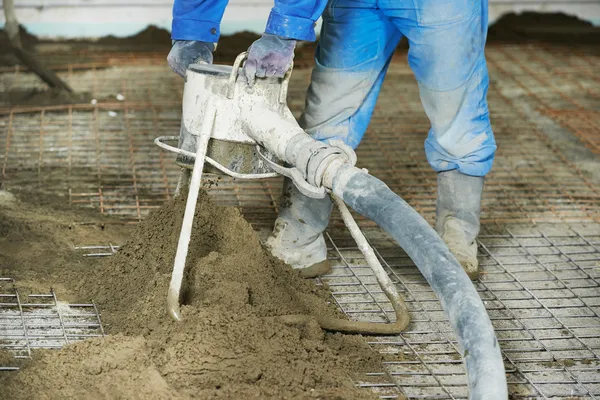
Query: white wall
point(94, 18)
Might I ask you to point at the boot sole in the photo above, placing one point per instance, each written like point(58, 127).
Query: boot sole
point(318, 269)
point(472, 273)
point(184, 162)
point(471, 269)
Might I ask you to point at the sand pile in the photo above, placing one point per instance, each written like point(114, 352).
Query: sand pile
point(37, 242)
point(551, 28)
point(230, 343)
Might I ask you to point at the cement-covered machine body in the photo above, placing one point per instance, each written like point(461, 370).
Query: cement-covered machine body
point(219, 84)
point(230, 146)
point(258, 116)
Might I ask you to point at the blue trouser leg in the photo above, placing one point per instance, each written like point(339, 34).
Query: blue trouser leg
point(351, 61)
point(446, 54)
point(350, 68)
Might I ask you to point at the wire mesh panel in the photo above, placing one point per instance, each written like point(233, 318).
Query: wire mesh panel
point(102, 155)
point(540, 287)
point(539, 248)
point(41, 321)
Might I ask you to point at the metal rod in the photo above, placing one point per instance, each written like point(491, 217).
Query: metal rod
point(188, 218)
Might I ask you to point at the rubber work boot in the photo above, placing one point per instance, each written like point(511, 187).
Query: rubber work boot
point(187, 141)
point(457, 219)
point(297, 237)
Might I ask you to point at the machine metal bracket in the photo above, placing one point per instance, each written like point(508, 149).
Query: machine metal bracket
point(296, 176)
point(347, 150)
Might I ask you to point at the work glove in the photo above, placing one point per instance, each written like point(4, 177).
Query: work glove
point(269, 56)
point(187, 52)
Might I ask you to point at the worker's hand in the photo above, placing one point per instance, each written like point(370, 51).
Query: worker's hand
point(269, 56)
point(186, 52)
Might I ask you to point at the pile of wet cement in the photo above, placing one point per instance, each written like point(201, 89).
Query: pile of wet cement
point(551, 28)
point(229, 343)
point(150, 39)
point(38, 233)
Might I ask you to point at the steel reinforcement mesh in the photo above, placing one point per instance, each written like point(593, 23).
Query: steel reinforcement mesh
point(541, 291)
point(540, 240)
point(41, 321)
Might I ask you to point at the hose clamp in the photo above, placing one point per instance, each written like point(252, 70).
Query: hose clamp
point(320, 161)
point(296, 176)
point(314, 163)
point(347, 150)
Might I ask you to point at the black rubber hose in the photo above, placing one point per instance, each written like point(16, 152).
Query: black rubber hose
point(373, 199)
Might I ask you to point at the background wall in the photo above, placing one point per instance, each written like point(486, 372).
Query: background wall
point(95, 18)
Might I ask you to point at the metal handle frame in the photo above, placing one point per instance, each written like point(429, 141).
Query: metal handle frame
point(237, 64)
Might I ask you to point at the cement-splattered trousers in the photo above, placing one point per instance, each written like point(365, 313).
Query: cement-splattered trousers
point(446, 54)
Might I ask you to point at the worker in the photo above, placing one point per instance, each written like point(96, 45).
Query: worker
point(358, 37)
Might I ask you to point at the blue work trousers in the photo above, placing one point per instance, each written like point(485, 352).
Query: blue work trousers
point(446, 55)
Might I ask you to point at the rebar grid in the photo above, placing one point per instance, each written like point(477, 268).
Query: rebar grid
point(42, 322)
point(541, 291)
point(540, 281)
point(100, 56)
point(102, 155)
point(567, 90)
point(98, 250)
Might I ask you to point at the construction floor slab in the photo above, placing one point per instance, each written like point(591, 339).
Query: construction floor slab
point(540, 241)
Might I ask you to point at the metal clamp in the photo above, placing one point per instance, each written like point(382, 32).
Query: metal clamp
point(283, 91)
point(321, 157)
point(296, 176)
point(347, 150)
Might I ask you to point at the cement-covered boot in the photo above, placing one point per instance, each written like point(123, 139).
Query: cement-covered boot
point(187, 141)
point(457, 219)
point(297, 237)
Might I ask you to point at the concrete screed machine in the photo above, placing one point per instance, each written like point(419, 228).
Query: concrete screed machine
point(248, 132)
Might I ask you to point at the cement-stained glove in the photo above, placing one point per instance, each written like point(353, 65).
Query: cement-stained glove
point(186, 52)
point(269, 56)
